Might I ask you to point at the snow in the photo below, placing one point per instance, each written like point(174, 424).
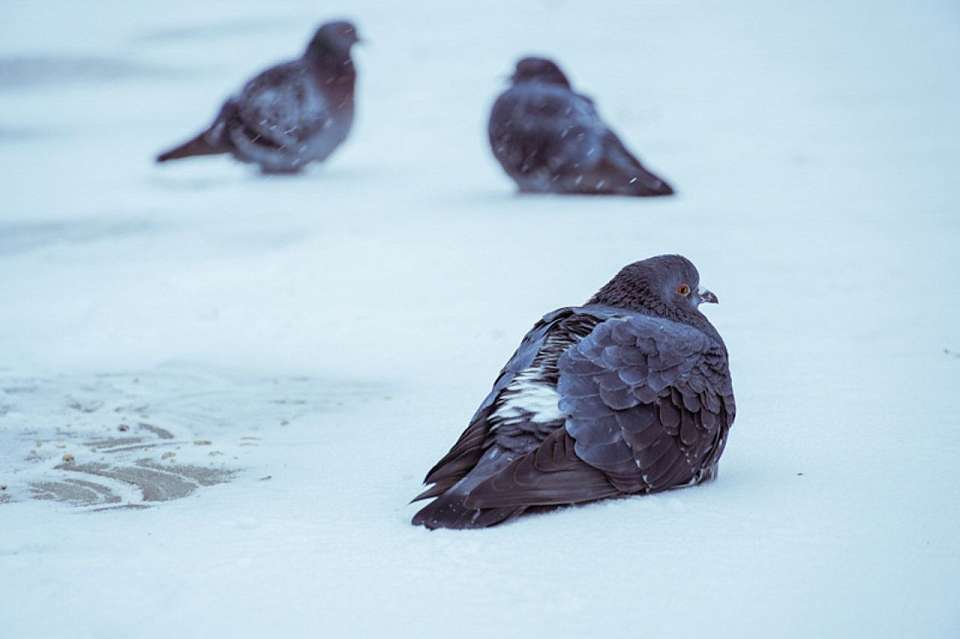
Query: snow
point(335, 331)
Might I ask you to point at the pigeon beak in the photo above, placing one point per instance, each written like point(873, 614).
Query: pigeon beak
point(707, 296)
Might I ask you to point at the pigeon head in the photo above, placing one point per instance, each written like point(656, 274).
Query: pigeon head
point(665, 285)
point(539, 70)
point(336, 37)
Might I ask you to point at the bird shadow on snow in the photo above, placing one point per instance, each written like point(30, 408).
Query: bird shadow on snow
point(209, 174)
point(190, 181)
point(501, 201)
point(508, 202)
point(345, 173)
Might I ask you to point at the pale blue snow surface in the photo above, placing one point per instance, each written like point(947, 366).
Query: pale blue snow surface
point(815, 150)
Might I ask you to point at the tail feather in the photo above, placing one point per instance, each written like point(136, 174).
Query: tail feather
point(199, 145)
point(449, 511)
point(643, 183)
point(610, 179)
point(503, 486)
point(622, 173)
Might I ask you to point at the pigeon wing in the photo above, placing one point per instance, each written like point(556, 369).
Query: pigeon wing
point(516, 416)
point(606, 166)
point(648, 403)
point(550, 475)
point(471, 445)
point(279, 109)
point(619, 171)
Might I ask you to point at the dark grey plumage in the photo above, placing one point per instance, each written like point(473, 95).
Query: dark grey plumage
point(290, 114)
point(628, 394)
point(550, 139)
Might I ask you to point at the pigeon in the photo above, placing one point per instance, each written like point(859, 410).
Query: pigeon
point(289, 115)
point(550, 139)
point(627, 394)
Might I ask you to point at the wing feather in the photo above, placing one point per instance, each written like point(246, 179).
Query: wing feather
point(672, 411)
point(478, 437)
point(645, 406)
point(550, 475)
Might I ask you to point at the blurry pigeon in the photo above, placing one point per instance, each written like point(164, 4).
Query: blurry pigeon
point(550, 139)
point(629, 394)
point(292, 113)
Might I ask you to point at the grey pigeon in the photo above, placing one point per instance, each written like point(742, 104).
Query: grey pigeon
point(290, 114)
point(550, 139)
point(628, 394)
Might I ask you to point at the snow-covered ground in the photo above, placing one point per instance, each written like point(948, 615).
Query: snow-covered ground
point(305, 348)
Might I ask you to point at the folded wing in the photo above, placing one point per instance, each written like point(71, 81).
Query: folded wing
point(516, 417)
point(647, 405)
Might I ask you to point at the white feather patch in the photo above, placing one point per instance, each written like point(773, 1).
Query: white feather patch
point(527, 398)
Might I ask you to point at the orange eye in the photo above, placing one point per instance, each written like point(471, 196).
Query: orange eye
point(683, 289)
